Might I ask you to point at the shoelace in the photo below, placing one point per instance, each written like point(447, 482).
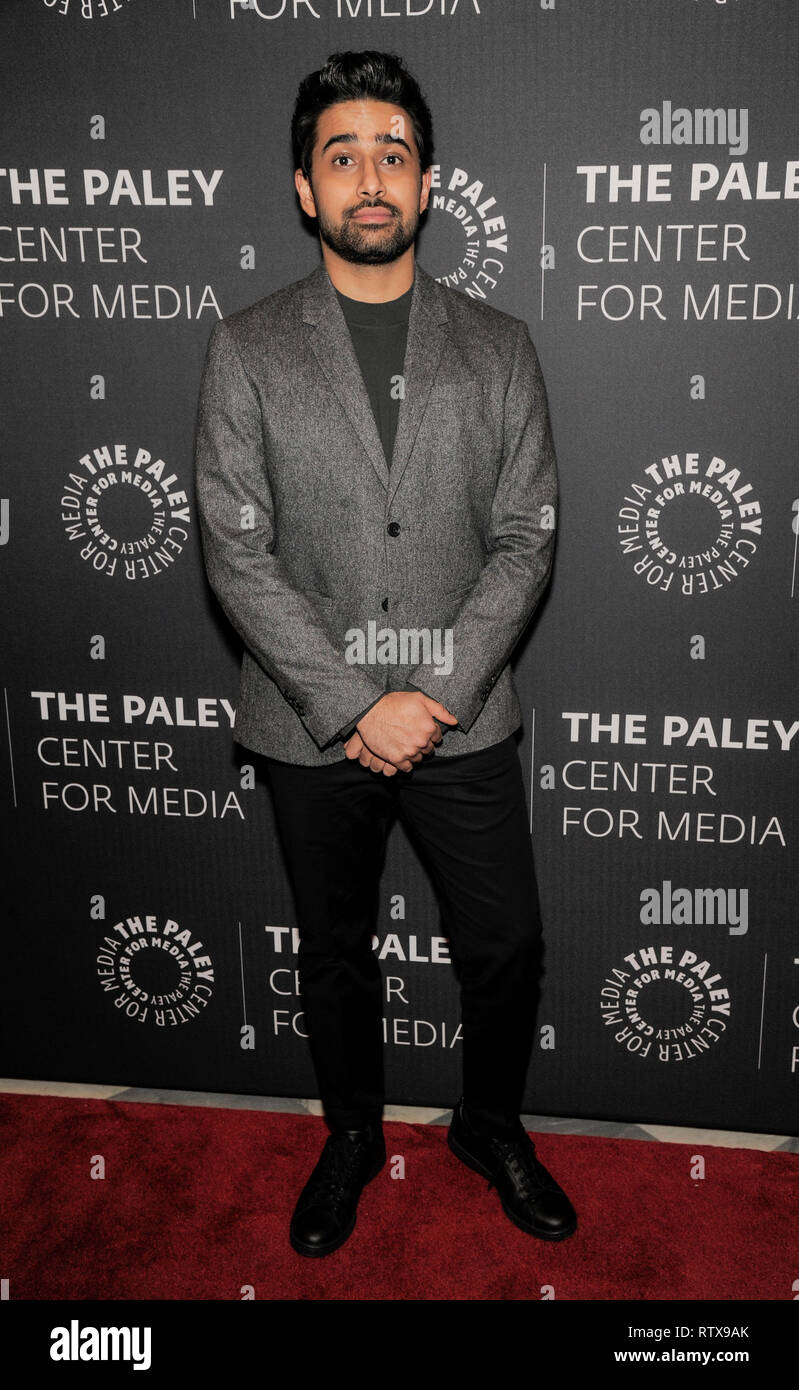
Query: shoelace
point(529, 1175)
point(338, 1163)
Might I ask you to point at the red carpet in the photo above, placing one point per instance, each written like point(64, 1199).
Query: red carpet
point(195, 1204)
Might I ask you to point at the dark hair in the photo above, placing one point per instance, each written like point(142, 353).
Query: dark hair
point(351, 76)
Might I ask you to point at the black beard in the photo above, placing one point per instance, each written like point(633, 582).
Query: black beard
point(363, 246)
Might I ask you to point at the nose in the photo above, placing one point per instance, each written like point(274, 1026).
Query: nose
point(371, 184)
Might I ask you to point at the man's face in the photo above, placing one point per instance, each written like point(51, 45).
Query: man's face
point(366, 188)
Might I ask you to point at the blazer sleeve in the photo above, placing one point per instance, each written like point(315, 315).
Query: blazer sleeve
point(275, 620)
point(350, 728)
point(521, 544)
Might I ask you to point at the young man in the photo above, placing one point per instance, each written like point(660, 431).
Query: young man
point(374, 451)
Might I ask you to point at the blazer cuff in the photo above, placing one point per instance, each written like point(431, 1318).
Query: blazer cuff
point(411, 685)
point(349, 729)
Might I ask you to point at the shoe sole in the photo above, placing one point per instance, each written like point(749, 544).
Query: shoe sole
point(317, 1251)
point(477, 1167)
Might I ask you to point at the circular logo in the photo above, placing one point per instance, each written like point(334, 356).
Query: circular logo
point(472, 241)
point(156, 974)
point(86, 9)
point(690, 525)
point(665, 1003)
point(126, 511)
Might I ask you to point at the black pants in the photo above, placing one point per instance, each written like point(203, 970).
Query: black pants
point(466, 817)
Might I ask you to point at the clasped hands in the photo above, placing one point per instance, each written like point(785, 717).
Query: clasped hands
point(397, 732)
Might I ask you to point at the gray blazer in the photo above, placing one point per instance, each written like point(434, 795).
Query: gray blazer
point(309, 537)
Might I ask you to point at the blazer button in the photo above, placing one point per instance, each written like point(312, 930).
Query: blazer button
point(384, 605)
point(393, 528)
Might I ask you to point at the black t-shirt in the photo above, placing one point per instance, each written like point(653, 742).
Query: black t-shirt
point(379, 335)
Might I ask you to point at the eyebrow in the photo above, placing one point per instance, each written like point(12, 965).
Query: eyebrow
point(349, 137)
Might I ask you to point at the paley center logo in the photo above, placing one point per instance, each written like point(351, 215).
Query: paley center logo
point(666, 1003)
point(156, 972)
point(86, 9)
point(690, 524)
point(127, 511)
point(474, 246)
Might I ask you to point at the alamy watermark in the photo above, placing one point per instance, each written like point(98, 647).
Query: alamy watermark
point(405, 646)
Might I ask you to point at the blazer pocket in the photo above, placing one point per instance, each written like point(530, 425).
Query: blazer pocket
point(453, 600)
point(430, 594)
point(321, 601)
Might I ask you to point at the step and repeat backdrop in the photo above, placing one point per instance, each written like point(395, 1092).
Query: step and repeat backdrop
point(624, 176)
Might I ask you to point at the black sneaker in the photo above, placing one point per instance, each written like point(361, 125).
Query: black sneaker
point(530, 1197)
point(325, 1214)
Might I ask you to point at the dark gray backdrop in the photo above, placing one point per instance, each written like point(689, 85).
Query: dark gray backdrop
point(180, 835)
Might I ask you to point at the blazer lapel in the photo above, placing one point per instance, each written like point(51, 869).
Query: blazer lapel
point(330, 340)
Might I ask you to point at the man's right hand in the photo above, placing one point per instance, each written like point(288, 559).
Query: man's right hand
point(402, 726)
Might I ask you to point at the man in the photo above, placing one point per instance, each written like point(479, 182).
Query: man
point(375, 449)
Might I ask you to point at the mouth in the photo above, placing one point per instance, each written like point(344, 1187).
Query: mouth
point(372, 215)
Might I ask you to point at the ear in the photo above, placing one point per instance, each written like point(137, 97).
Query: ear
point(306, 196)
